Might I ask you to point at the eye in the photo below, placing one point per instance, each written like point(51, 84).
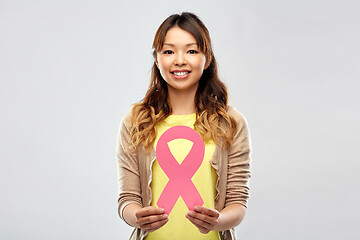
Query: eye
point(192, 51)
point(167, 52)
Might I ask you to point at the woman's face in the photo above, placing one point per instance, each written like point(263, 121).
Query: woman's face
point(180, 61)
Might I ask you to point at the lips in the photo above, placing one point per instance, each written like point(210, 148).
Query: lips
point(180, 74)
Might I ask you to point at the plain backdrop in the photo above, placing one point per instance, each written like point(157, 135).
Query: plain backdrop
point(70, 70)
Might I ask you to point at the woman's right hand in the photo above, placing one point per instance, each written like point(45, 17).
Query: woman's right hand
point(151, 218)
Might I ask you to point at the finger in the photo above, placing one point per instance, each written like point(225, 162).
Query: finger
point(205, 218)
point(146, 211)
point(201, 228)
point(154, 226)
point(200, 223)
point(207, 211)
point(151, 219)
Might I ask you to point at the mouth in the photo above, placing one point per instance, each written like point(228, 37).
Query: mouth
point(180, 74)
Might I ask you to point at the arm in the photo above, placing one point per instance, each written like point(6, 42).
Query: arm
point(128, 170)
point(237, 190)
point(130, 207)
point(237, 187)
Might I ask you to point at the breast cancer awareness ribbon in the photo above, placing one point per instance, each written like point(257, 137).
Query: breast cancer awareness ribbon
point(180, 183)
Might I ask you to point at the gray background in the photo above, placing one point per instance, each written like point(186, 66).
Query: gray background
point(70, 70)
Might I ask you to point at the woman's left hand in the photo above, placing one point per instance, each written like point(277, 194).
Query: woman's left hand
point(205, 219)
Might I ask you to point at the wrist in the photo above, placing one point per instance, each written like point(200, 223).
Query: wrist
point(230, 217)
point(219, 226)
point(128, 214)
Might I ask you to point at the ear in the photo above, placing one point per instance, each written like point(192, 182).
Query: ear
point(207, 64)
point(156, 62)
point(208, 61)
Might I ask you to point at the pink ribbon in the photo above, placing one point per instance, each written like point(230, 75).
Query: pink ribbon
point(180, 175)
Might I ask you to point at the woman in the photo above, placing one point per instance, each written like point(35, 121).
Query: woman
point(183, 153)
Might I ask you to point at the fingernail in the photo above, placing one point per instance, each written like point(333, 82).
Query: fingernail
point(162, 210)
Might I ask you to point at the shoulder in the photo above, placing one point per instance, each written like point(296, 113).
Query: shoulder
point(242, 135)
point(238, 117)
point(127, 117)
point(125, 123)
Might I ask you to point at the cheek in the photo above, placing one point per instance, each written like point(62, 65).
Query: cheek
point(200, 63)
point(163, 68)
point(162, 64)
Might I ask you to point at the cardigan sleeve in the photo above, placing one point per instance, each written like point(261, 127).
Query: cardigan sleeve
point(237, 190)
point(128, 168)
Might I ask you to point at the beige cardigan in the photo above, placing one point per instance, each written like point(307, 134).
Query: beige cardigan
point(232, 167)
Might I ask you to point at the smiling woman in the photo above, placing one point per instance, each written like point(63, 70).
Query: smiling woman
point(200, 189)
point(181, 64)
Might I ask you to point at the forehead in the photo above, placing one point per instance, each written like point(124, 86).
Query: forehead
point(179, 37)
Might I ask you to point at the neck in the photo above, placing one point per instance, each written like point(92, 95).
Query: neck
point(182, 102)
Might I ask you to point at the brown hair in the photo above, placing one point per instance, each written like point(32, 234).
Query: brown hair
point(213, 121)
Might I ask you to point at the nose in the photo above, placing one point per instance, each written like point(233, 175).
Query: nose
point(180, 59)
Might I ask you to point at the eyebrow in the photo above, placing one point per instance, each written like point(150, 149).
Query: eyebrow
point(189, 44)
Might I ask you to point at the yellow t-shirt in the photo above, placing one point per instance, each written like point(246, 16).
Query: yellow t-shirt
point(204, 179)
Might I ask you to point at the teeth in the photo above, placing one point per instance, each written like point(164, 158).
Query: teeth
point(180, 73)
